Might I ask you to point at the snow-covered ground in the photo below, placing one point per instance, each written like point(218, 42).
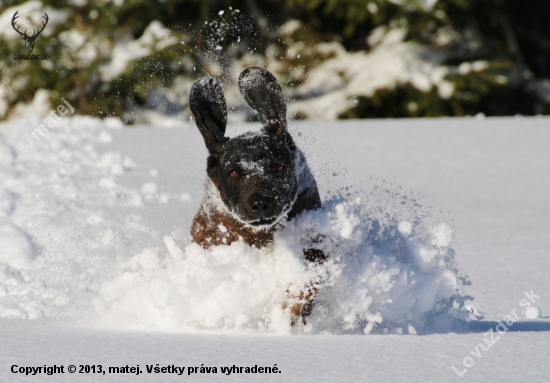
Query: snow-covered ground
point(97, 268)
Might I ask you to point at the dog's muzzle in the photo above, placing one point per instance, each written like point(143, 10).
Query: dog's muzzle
point(261, 206)
point(262, 209)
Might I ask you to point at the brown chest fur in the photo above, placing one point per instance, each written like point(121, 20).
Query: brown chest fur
point(214, 228)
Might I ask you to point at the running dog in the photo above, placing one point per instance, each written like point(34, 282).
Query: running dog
point(255, 180)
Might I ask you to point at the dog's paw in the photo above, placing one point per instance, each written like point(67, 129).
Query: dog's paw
point(300, 312)
point(300, 306)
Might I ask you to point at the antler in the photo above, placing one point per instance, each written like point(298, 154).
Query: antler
point(35, 34)
point(15, 16)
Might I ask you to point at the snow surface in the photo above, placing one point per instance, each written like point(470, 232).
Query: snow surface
point(94, 228)
point(133, 276)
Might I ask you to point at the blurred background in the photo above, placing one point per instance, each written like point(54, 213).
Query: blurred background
point(336, 59)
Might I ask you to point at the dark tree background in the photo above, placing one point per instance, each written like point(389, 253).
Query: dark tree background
point(512, 36)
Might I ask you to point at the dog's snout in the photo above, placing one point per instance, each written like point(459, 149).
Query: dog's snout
point(261, 205)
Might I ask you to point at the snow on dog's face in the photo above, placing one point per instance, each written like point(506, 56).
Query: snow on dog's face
point(254, 172)
point(256, 179)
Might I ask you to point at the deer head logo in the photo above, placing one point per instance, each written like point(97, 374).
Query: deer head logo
point(29, 40)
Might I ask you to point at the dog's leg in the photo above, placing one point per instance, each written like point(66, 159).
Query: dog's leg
point(301, 305)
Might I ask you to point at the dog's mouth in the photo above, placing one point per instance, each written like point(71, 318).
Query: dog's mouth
point(264, 221)
point(270, 221)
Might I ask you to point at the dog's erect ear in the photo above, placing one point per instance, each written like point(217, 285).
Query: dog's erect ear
point(263, 93)
point(208, 105)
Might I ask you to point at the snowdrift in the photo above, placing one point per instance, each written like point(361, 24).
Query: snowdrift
point(75, 245)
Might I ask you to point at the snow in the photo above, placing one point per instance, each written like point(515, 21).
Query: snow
point(332, 86)
point(532, 313)
point(96, 261)
point(155, 37)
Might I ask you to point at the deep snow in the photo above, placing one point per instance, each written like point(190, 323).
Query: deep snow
point(388, 270)
point(95, 232)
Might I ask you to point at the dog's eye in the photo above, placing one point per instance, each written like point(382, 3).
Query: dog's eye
point(279, 168)
point(233, 174)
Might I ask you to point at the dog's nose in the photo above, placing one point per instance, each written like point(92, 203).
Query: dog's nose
point(262, 205)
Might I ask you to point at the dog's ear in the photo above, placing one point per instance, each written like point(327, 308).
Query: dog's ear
point(208, 105)
point(263, 93)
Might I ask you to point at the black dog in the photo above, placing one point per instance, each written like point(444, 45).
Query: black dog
point(256, 179)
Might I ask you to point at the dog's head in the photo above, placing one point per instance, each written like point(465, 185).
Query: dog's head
point(254, 172)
